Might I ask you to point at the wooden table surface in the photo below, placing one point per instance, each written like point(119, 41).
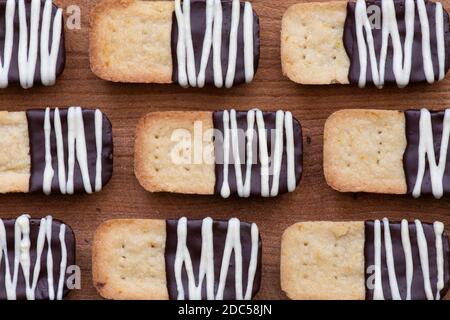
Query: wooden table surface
point(126, 103)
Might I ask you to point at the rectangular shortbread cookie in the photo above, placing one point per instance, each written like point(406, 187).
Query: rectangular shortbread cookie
point(343, 42)
point(363, 151)
point(191, 42)
point(312, 49)
point(323, 260)
point(160, 259)
point(38, 155)
point(371, 260)
point(128, 259)
point(130, 40)
point(158, 136)
point(199, 152)
point(15, 152)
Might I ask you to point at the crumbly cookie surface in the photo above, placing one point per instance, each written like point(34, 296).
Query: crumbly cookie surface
point(312, 48)
point(363, 151)
point(14, 152)
point(128, 260)
point(323, 260)
point(174, 152)
point(130, 41)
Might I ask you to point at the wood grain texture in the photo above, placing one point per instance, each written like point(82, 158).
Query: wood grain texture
point(125, 104)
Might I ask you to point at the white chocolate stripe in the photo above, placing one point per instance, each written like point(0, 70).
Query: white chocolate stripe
point(206, 268)
point(390, 261)
point(441, 39)
point(378, 285)
point(248, 43)
point(28, 47)
point(187, 75)
point(217, 44)
point(402, 54)
point(424, 259)
point(232, 49)
point(426, 151)
point(424, 263)
point(406, 243)
point(438, 231)
point(48, 170)
point(8, 42)
point(99, 146)
point(49, 59)
point(22, 257)
point(77, 151)
point(60, 152)
point(284, 122)
point(278, 155)
point(207, 42)
point(290, 151)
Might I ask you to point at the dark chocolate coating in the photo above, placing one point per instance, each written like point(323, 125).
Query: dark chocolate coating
point(270, 124)
point(417, 287)
point(13, 76)
point(194, 244)
point(198, 28)
point(37, 149)
point(42, 284)
point(411, 155)
point(417, 73)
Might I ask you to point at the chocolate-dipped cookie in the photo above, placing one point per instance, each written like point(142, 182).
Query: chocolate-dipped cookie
point(32, 40)
point(372, 260)
point(366, 42)
point(67, 150)
point(193, 43)
point(35, 255)
point(243, 153)
point(177, 259)
point(388, 152)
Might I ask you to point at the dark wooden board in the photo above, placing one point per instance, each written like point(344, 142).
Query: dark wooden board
point(126, 103)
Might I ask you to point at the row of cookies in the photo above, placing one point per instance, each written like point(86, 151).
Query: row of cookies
point(217, 42)
point(222, 260)
point(229, 152)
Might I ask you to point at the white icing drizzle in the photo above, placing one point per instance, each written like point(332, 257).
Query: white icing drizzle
point(22, 258)
point(77, 150)
point(378, 285)
point(217, 44)
point(207, 42)
point(284, 121)
point(440, 35)
point(423, 253)
point(187, 75)
point(189, 45)
point(290, 153)
point(28, 46)
point(60, 152)
point(390, 261)
point(48, 170)
point(63, 264)
point(232, 49)
point(206, 268)
point(49, 59)
point(402, 54)
point(99, 146)
point(181, 46)
point(8, 42)
point(422, 246)
point(438, 231)
point(406, 243)
point(426, 149)
point(248, 43)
